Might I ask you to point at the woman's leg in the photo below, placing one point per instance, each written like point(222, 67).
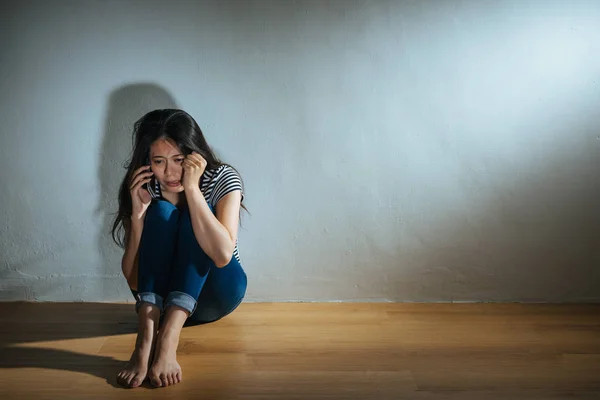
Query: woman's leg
point(190, 269)
point(165, 369)
point(223, 291)
point(208, 293)
point(156, 253)
point(154, 264)
point(136, 370)
point(189, 273)
point(196, 285)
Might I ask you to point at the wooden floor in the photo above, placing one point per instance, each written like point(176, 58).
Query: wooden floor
point(308, 350)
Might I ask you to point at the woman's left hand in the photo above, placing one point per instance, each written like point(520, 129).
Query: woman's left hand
point(193, 168)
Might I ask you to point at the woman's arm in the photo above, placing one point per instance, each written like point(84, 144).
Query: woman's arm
point(129, 263)
point(216, 234)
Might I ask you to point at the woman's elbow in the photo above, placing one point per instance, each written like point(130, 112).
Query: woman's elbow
point(222, 262)
point(223, 259)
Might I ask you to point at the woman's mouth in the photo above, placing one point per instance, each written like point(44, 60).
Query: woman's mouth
point(173, 183)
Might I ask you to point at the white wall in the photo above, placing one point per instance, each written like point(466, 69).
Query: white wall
point(392, 151)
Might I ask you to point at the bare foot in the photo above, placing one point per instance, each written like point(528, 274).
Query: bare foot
point(165, 370)
point(137, 368)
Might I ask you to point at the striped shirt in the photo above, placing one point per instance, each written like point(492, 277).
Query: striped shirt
point(215, 184)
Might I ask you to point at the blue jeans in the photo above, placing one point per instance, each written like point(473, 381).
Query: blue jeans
point(174, 270)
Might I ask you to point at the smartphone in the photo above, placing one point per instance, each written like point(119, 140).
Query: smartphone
point(151, 186)
point(147, 162)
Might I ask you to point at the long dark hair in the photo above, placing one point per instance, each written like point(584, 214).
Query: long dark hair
point(174, 125)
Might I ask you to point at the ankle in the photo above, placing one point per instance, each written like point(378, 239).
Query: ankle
point(146, 331)
point(168, 339)
point(169, 332)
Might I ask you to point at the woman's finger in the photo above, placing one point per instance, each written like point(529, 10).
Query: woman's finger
point(139, 181)
point(140, 176)
point(139, 184)
point(139, 173)
point(197, 156)
point(141, 169)
point(189, 164)
point(189, 160)
point(201, 158)
point(142, 173)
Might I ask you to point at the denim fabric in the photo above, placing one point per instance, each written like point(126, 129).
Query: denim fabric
point(148, 297)
point(174, 270)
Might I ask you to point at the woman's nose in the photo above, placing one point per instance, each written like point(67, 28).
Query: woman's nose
point(170, 168)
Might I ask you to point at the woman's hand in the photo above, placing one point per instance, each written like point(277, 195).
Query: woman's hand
point(193, 168)
point(140, 198)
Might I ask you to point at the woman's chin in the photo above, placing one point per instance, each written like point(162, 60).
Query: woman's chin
point(173, 189)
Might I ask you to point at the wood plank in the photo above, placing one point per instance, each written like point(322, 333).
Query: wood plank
point(314, 350)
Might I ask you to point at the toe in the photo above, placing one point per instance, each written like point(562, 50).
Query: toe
point(164, 380)
point(136, 381)
point(128, 379)
point(155, 381)
point(179, 376)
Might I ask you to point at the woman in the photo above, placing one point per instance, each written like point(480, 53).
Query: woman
point(179, 209)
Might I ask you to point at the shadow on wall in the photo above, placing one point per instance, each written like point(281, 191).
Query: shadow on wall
point(126, 105)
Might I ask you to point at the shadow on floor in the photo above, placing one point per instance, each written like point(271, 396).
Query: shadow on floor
point(28, 323)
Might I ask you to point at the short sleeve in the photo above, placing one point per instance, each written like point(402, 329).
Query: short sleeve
point(228, 180)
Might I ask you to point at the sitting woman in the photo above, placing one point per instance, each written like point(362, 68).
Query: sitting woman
point(179, 211)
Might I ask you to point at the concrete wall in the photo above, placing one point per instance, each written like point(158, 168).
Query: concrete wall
point(392, 151)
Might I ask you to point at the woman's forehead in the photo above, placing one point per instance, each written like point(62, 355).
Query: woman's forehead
point(164, 148)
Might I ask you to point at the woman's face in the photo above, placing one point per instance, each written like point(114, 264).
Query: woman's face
point(165, 162)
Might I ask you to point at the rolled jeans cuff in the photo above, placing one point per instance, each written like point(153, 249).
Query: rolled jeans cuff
point(149, 297)
point(182, 300)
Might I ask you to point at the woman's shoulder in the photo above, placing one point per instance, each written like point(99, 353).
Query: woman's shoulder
point(221, 168)
point(222, 171)
point(220, 181)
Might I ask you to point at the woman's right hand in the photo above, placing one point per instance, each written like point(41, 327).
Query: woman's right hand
point(140, 198)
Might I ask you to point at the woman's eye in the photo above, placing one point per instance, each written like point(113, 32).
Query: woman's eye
point(179, 160)
point(157, 161)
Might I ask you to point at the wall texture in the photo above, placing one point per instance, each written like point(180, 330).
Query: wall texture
point(391, 151)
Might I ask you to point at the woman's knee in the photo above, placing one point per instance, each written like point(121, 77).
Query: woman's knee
point(162, 213)
point(160, 228)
